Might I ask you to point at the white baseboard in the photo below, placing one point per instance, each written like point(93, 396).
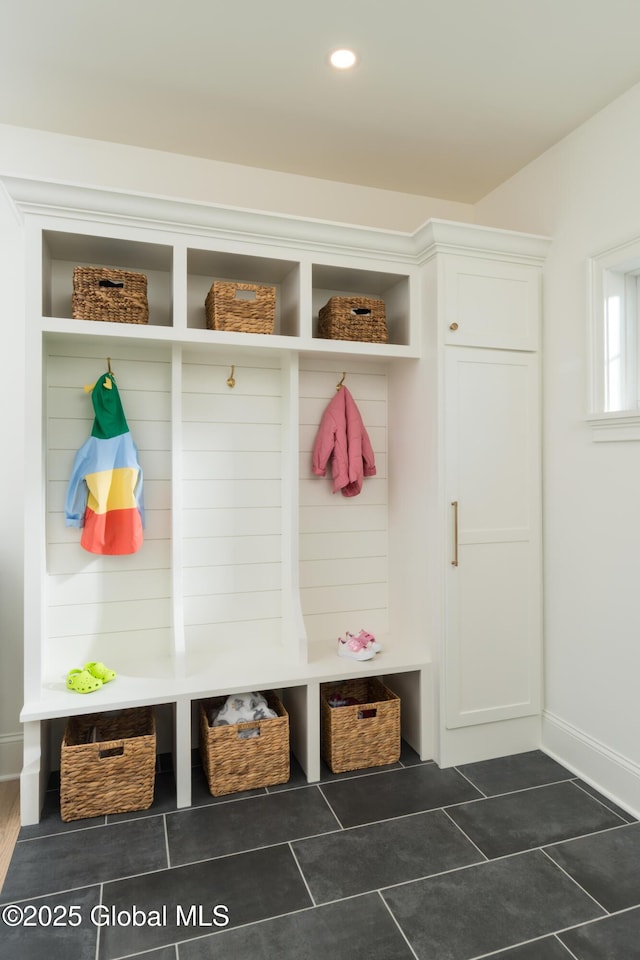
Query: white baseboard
point(486, 741)
point(10, 756)
point(614, 775)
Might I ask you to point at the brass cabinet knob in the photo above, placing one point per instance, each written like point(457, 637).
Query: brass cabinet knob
point(453, 326)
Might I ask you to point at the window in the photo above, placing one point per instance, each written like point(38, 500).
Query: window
point(615, 340)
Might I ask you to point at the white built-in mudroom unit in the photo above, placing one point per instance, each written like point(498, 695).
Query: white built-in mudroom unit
point(251, 566)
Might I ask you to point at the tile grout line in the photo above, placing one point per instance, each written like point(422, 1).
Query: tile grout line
point(597, 799)
point(147, 952)
point(511, 946)
point(545, 843)
point(84, 886)
point(337, 819)
point(585, 836)
point(166, 840)
point(573, 880)
point(465, 835)
point(304, 879)
point(510, 793)
point(397, 923)
point(370, 772)
point(239, 926)
point(568, 949)
point(422, 877)
point(79, 829)
point(100, 899)
point(480, 865)
point(554, 843)
point(584, 923)
point(470, 781)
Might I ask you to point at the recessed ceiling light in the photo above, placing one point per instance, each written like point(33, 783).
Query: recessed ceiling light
point(342, 59)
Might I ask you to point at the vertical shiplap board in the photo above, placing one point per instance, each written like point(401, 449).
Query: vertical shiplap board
point(232, 502)
point(344, 567)
point(111, 608)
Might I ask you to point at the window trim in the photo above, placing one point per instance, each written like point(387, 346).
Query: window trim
point(619, 270)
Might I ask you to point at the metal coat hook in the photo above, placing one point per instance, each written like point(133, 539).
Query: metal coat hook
point(338, 385)
point(109, 366)
point(231, 379)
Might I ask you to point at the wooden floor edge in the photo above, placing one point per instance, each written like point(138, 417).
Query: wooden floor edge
point(9, 823)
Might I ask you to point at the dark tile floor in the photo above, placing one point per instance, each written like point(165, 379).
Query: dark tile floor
point(513, 859)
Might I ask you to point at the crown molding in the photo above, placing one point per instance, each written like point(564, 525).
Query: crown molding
point(44, 198)
point(49, 198)
point(470, 239)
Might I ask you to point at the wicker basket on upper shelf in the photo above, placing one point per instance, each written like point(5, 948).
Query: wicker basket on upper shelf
point(103, 293)
point(353, 318)
point(241, 307)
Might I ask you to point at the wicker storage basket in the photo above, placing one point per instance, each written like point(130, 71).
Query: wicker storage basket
point(115, 774)
point(366, 734)
point(232, 762)
point(101, 293)
point(241, 307)
point(353, 318)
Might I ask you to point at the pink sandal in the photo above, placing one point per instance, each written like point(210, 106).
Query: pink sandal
point(367, 640)
point(354, 648)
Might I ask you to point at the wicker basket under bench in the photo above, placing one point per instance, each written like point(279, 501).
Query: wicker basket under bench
point(107, 763)
point(233, 761)
point(365, 734)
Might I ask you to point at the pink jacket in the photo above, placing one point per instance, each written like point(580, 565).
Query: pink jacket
point(342, 436)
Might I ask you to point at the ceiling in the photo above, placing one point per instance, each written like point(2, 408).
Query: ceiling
point(449, 97)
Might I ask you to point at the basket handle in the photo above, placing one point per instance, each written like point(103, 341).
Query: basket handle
point(114, 750)
point(361, 311)
point(111, 283)
point(245, 294)
point(366, 714)
point(250, 725)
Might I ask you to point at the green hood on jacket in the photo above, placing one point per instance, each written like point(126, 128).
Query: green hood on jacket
point(110, 419)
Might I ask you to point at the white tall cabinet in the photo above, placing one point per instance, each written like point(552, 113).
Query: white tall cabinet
point(492, 660)
point(251, 567)
point(488, 305)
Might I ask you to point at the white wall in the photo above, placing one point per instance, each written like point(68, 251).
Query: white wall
point(11, 487)
point(47, 156)
point(52, 157)
point(585, 193)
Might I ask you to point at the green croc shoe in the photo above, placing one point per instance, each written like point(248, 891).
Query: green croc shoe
point(99, 671)
point(82, 682)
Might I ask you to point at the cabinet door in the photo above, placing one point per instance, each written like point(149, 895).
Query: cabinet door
point(491, 303)
point(493, 602)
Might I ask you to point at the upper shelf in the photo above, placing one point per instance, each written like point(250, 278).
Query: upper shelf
point(179, 278)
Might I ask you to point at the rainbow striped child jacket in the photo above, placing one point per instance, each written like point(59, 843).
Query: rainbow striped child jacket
point(104, 495)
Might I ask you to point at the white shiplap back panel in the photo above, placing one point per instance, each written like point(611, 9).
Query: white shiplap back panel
point(344, 566)
point(101, 605)
point(232, 501)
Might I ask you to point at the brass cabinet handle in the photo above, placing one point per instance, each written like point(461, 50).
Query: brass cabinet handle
point(453, 326)
point(454, 504)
